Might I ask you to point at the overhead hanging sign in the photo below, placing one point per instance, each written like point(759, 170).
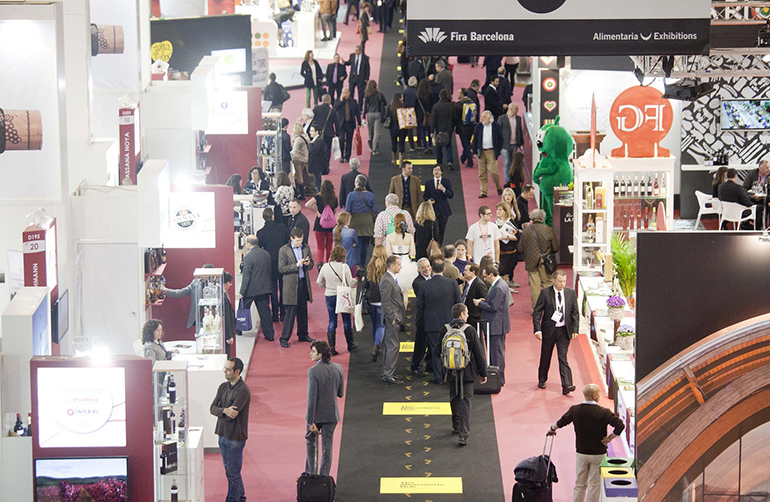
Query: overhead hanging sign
point(584, 27)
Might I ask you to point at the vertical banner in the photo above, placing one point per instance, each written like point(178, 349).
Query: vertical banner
point(549, 94)
point(130, 143)
point(40, 257)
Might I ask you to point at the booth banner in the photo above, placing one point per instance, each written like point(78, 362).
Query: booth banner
point(584, 27)
point(192, 220)
point(260, 62)
point(549, 96)
point(40, 258)
point(130, 143)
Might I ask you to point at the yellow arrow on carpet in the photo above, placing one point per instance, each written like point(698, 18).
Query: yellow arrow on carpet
point(425, 392)
point(408, 398)
point(408, 467)
point(408, 454)
point(426, 437)
point(409, 442)
point(428, 461)
point(408, 431)
point(408, 387)
point(426, 425)
point(408, 419)
point(427, 449)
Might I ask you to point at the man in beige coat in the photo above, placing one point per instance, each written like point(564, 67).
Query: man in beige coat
point(529, 249)
point(295, 261)
point(412, 198)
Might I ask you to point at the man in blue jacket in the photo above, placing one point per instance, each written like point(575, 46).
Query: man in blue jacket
point(487, 145)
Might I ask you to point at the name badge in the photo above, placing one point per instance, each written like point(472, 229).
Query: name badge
point(557, 316)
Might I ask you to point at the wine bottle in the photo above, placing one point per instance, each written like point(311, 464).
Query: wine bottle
point(663, 186)
point(646, 219)
point(656, 188)
point(616, 189)
point(171, 389)
point(163, 254)
point(636, 187)
point(622, 186)
point(174, 491)
point(182, 428)
point(654, 221)
point(18, 428)
point(649, 186)
point(642, 188)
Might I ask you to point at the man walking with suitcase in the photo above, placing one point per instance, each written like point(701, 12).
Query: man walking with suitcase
point(325, 383)
point(590, 421)
point(461, 381)
point(495, 309)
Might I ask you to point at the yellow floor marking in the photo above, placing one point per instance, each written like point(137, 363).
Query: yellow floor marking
point(407, 347)
point(423, 162)
point(416, 409)
point(421, 485)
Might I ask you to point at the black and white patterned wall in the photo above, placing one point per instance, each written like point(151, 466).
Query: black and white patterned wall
point(702, 138)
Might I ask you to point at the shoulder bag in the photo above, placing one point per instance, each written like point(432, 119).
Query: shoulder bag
point(548, 258)
point(345, 296)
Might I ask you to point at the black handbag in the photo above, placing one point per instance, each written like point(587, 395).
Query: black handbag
point(441, 139)
point(549, 258)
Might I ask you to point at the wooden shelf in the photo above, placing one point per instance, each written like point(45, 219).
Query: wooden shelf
point(205, 150)
point(157, 303)
point(157, 272)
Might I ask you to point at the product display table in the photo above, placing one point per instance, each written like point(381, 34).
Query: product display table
point(615, 365)
point(204, 374)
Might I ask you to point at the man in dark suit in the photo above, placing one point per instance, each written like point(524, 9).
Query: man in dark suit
point(504, 89)
point(460, 397)
point(420, 337)
point(325, 383)
point(326, 122)
point(407, 188)
point(359, 74)
point(556, 321)
point(495, 309)
point(513, 137)
point(436, 298)
point(335, 77)
point(492, 98)
point(475, 288)
point(415, 69)
point(228, 315)
point(272, 237)
point(393, 316)
point(438, 191)
point(731, 191)
point(473, 92)
point(442, 127)
point(350, 118)
point(255, 285)
point(297, 220)
point(295, 262)
point(348, 181)
point(487, 145)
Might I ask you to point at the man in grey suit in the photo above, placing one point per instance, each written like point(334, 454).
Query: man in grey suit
point(393, 317)
point(556, 321)
point(295, 263)
point(436, 298)
point(255, 285)
point(495, 308)
point(325, 383)
point(194, 290)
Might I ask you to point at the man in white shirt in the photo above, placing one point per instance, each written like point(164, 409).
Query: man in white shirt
point(487, 145)
point(483, 237)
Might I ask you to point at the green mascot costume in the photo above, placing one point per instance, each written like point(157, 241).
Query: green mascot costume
point(553, 169)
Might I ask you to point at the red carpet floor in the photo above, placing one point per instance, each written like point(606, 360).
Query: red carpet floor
point(275, 453)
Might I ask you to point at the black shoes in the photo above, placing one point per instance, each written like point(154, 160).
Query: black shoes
point(540, 385)
point(482, 196)
point(451, 167)
point(284, 344)
point(499, 191)
point(392, 381)
point(567, 390)
point(270, 339)
point(420, 373)
point(308, 339)
point(375, 353)
point(320, 264)
point(353, 346)
point(462, 442)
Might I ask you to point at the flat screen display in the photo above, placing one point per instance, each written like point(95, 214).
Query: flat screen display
point(744, 114)
point(230, 60)
point(100, 479)
point(81, 407)
point(60, 317)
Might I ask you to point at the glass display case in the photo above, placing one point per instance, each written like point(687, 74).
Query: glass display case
point(269, 151)
point(171, 431)
point(642, 188)
point(593, 210)
point(209, 323)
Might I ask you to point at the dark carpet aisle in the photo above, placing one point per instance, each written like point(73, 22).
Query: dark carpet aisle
point(418, 447)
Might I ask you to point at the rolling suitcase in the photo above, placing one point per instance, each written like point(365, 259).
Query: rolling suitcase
point(315, 487)
point(493, 384)
point(535, 477)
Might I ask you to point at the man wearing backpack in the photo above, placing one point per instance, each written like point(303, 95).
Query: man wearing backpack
point(462, 355)
point(465, 115)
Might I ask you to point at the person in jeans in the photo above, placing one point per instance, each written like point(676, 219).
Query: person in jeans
point(231, 407)
point(333, 274)
point(370, 286)
point(513, 139)
point(375, 111)
point(590, 421)
point(325, 383)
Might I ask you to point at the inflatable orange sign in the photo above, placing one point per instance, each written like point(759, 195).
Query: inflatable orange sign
point(641, 118)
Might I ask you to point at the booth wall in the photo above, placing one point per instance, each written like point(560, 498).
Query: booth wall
point(181, 263)
point(577, 86)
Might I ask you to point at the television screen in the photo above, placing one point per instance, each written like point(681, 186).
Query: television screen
point(96, 479)
point(744, 114)
point(60, 317)
point(230, 60)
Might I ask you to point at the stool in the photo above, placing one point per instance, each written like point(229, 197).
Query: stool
point(617, 472)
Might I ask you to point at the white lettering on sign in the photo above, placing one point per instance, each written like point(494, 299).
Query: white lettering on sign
point(35, 274)
point(640, 117)
point(34, 237)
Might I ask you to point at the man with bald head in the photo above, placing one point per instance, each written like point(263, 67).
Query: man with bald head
point(590, 421)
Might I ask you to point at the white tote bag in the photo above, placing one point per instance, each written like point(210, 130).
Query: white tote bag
point(359, 317)
point(336, 150)
point(346, 296)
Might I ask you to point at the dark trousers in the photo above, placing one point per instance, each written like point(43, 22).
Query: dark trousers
point(441, 220)
point(497, 353)
point(356, 82)
point(328, 138)
point(263, 308)
point(420, 346)
point(335, 91)
point(346, 139)
point(397, 139)
point(352, 5)
point(363, 249)
point(560, 338)
point(278, 308)
point(327, 440)
point(461, 406)
point(390, 349)
point(298, 312)
point(440, 154)
point(434, 340)
point(467, 155)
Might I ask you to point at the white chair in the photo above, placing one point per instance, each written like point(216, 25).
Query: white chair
point(138, 348)
point(732, 211)
point(707, 205)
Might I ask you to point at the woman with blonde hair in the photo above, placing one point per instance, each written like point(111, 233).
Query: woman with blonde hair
point(509, 197)
point(333, 274)
point(425, 229)
point(347, 238)
point(401, 243)
point(509, 242)
point(369, 286)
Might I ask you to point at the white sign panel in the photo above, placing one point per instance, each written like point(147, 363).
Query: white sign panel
point(228, 112)
point(81, 407)
point(192, 223)
point(260, 63)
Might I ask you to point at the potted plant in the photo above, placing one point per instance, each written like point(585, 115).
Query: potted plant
point(616, 307)
point(625, 337)
point(624, 262)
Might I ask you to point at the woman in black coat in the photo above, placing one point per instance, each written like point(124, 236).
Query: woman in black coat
point(425, 229)
point(318, 162)
point(313, 74)
point(423, 108)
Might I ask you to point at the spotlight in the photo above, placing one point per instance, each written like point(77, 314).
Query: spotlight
point(687, 90)
point(668, 65)
point(639, 74)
